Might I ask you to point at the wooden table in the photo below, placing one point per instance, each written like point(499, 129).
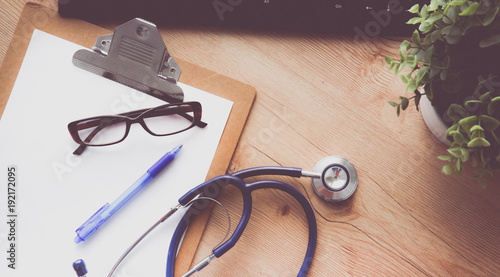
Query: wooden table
point(323, 95)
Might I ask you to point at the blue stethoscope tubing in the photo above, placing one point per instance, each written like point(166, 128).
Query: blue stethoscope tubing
point(236, 179)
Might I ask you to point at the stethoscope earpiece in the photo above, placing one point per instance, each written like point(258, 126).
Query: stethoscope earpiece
point(338, 179)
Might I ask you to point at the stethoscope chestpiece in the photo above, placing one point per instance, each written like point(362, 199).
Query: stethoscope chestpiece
point(338, 179)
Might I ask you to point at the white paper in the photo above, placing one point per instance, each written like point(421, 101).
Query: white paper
point(58, 191)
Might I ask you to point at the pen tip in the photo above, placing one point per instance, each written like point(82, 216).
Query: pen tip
point(78, 239)
point(176, 149)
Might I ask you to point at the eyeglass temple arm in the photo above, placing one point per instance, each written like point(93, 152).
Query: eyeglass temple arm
point(200, 123)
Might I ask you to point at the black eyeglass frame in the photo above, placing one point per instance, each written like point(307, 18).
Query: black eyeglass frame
point(134, 117)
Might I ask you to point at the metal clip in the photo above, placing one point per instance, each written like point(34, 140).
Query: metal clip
point(136, 56)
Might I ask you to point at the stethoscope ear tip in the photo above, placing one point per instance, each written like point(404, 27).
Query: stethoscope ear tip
point(338, 180)
point(80, 267)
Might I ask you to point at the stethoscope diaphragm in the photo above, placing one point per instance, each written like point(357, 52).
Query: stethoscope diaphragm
point(338, 179)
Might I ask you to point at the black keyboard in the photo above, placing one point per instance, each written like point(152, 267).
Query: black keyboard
point(367, 18)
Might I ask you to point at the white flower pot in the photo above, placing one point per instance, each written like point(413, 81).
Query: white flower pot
point(433, 120)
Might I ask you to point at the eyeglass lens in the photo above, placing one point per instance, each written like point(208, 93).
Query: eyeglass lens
point(102, 131)
point(168, 120)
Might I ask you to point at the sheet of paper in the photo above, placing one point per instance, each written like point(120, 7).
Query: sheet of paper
point(56, 191)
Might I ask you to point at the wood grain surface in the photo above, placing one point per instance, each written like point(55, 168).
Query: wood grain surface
point(326, 95)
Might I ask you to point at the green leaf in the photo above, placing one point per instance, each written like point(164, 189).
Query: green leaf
point(477, 134)
point(452, 129)
point(455, 152)
point(458, 165)
point(391, 66)
point(414, 52)
point(465, 155)
point(489, 123)
point(471, 103)
point(453, 35)
point(421, 73)
point(493, 104)
point(399, 67)
point(389, 60)
point(434, 72)
point(434, 5)
point(471, 10)
point(434, 17)
point(458, 138)
point(429, 90)
point(415, 38)
point(456, 112)
point(415, 20)
point(405, 46)
point(446, 62)
point(445, 158)
point(476, 128)
point(417, 98)
point(402, 55)
point(392, 103)
point(451, 15)
point(405, 79)
point(412, 85)
point(478, 142)
point(485, 96)
point(427, 42)
point(436, 35)
point(468, 122)
point(489, 17)
point(398, 110)
point(447, 169)
point(490, 41)
point(404, 102)
point(481, 172)
point(425, 27)
point(411, 61)
point(414, 9)
point(458, 2)
point(443, 75)
point(427, 56)
point(424, 11)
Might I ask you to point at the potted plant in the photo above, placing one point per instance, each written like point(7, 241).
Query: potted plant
point(457, 63)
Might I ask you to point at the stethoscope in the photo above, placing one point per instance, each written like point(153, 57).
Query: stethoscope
point(333, 178)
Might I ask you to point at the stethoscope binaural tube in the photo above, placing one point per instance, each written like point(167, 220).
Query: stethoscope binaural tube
point(246, 190)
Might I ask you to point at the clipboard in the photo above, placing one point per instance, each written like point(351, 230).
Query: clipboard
point(35, 16)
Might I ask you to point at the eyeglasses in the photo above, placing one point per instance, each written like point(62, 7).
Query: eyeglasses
point(163, 120)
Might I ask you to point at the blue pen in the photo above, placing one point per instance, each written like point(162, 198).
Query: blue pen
point(91, 225)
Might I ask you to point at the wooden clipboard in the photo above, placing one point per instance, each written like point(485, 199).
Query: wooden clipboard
point(35, 16)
